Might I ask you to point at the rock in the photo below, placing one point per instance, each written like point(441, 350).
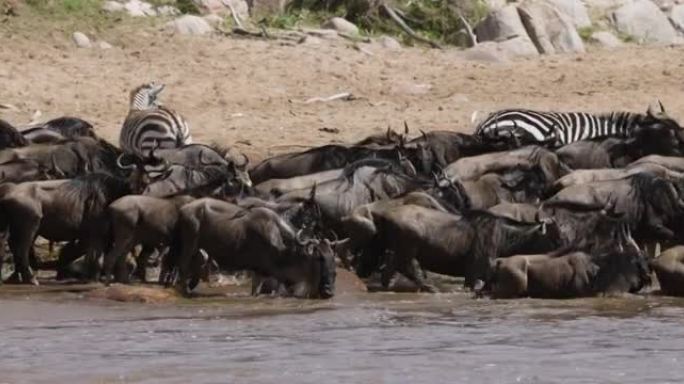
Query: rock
point(258, 8)
point(322, 33)
point(190, 25)
point(600, 6)
point(81, 40)
point(137, 8)
point(605, 39)
point(551, 31)
point(517, 47)
point(341, 26)
point(220, 6)
point(487, 52)
point(389, 43)
point(575, 10)
point(104, 45)
point(664, 5)
point(311, 40)
point(214, 20)
point(677, 17)
point(168, 10)
point(503, 25)
point(112, 6)
point(643, 21)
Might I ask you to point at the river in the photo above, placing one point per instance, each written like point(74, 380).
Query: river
point(363, 338)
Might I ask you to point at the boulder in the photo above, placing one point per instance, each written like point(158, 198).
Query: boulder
point(517, 47)
point(605, 39)
point(258, 8)
point(551, 31)
point(602, 6)
point(221, 7)
point(575, 10)
point(677, 17)
point(214, 20)
point(501, 24)
point(112, 6)
point(190, 25)
point(139, 8)
point(341, 25)
point(643, 21)
point(104, 45)
point(81, 40)
point(389, 43)
point(168, 10)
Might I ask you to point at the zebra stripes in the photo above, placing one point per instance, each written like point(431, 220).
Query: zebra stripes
point(150, 125)
point(559, 127)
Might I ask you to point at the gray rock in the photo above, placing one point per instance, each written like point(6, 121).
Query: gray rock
point(190, 25)
point(341, 25)
point(214, 20)
point(551, 31)
point(501, 24)
point(518, 47)
point(112, 6)
point(643, 21)
point(104, 45)
point(605, 39)
point(221, 7)
point(575, 10)
point(168, 10)
point(81, 40)
point(601, 6)
point(137, 8)
point(389, 43)
point(677, 17)
point(487, 52)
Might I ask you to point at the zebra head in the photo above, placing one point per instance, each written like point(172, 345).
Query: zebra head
point(145, 96)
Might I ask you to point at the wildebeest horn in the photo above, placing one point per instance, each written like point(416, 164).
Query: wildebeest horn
point(304, 242)
point(406, 128)
point(312, 194)
point(201, 159)
point(244, 163)
point(424, 134)
point(662, 108)
point(120, 164)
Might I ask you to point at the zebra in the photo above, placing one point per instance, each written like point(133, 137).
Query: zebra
point(561, 128)
point(149, 125)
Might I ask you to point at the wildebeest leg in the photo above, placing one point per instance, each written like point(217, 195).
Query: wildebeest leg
point(115, 257)
point(22, 235)
point(413, 271)
point(143, 261)
point(189, 250)
point(70, 252)
point(390, 269)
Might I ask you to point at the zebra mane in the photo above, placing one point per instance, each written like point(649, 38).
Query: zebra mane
point(144, 97)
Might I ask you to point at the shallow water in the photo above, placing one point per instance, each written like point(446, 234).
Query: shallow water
point(363, 338)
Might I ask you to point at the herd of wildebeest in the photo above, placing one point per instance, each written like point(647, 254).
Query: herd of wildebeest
point(513, 219)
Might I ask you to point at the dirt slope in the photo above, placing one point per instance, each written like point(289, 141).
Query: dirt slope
point(234, 91)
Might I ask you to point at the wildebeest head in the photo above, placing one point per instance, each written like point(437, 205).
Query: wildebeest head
point(527, 184)
point(622, 266)
point(451, 191)
point(387, 138)
point(321, 253)
point(10, 137)
point(656, 132)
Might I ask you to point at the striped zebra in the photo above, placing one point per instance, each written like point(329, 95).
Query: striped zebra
point(149, 125)
point(562, 128)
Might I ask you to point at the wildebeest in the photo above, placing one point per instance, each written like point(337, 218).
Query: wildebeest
point(599, 153)
point(258, 240)
point(59, 210)
point(361, 183)
point(422, 238)
point(277, 187)
point(437, 149)
point(57, 161)
point(59, 129)
point(669, 268)
point(140, 220)
point(194, 169)
point(319, 159)
point(10, 137)
point(612, 268)
point(646, 200)
point(471, 168)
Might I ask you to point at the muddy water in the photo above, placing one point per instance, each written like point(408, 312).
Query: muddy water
point(364, 338)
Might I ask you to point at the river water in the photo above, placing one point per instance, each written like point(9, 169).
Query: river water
point(365, 338)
